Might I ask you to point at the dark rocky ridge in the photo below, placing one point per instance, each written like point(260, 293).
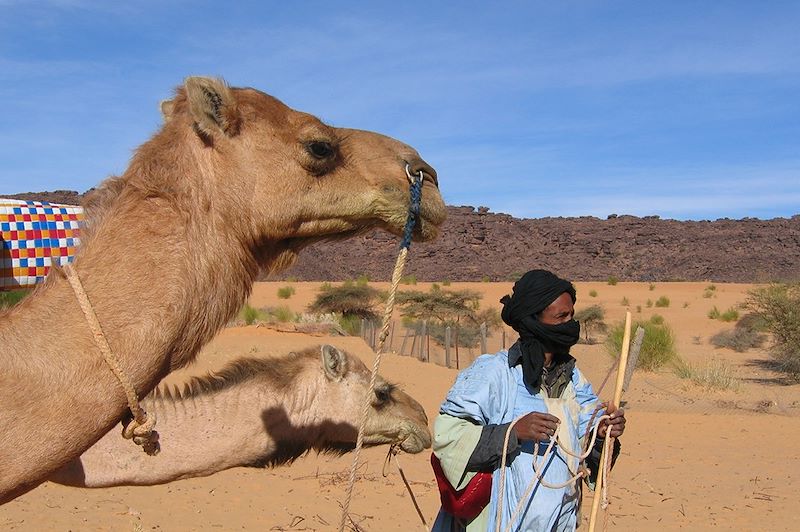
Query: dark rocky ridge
point(478, 245)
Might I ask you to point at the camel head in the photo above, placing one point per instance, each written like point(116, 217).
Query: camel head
point(290, 178)
point(394, 417)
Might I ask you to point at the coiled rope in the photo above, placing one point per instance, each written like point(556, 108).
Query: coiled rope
point(408, 230)
point(141, 428)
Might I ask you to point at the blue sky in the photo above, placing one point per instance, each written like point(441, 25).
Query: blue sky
point(687, 110)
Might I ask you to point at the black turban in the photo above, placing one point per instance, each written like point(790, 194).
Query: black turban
point(533, 293)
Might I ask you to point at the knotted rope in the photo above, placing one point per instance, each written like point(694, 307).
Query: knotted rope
point(408, 230)
point(140, 428)
point(539, 474)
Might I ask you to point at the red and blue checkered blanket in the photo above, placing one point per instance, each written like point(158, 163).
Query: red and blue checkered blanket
point(34, 235)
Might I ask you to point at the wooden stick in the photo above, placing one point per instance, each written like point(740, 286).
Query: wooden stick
point(623, 362)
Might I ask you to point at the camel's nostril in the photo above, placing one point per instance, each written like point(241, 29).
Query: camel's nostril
point(417, 165)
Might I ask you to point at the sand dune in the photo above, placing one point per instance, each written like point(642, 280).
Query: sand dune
point(692, 459)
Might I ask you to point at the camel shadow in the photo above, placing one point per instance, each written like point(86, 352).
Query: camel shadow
point(293, 441)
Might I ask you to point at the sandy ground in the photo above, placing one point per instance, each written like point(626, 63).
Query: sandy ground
point(692, 459)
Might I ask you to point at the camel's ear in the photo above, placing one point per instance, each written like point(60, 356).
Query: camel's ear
point(167, 108)
point(212, 105)
point(334, 362)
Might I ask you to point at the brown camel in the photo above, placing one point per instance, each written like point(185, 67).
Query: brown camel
point(234, 181)
point(256, 413)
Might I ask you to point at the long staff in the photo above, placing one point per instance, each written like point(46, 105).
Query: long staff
point(623, 362)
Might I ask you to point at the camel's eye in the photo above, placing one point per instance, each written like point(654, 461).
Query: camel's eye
point(320, 149)
point(383, 394)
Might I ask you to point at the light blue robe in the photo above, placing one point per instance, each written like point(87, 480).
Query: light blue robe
point(489, 392)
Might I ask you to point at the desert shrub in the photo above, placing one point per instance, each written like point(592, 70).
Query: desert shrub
point(710, 291)
point(285, 292)
point(249, 314)
point(486, 279)
point(716, 375)
point(651, 287)
point(638, 309)
point(446, 282)
point(657, 319)
point(591, 319)
point(11, 298)
point(739, 339)
point(348, 299)
point(685, 304)
point(613, 281)
point(362, 280)
point(625, 302)
point(291, 279)
point(648, 303)
point(658, 345)
point(779, 306)
point(754, 322)
point(280, 314)
point(408, 279)
point(592, 293)
point(662, 302)
point(729, 315)
point(351, 324)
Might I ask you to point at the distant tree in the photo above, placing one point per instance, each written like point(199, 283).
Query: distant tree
point(349, 300)
point(459, 309)
point(591, 319)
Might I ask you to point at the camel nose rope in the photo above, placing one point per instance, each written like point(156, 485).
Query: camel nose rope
point(140, 428)
point(408, 230)
point(392, 455)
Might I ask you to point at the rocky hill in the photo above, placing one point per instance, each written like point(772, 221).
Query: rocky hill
point(476, 245)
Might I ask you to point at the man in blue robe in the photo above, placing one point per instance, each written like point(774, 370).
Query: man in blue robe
point(535, 381)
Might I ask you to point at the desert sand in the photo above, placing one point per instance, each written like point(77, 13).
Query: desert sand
point(692, 459)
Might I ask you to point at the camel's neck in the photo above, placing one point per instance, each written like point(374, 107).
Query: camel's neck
point(202, 435)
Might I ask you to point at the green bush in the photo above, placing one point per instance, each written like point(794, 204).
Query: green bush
point(657, 319)
point(11, 298)
point(651, 287)
point(729, 315)
point(249, 314)
point(662, 302)
point(638, 309)
point(625, 302)
point(409, 279)
point(446, 282)
point(613, 281)
point(658, 345)
point(285, 292)
point(281, 314)
point(362, 280)
point(592, 293)
point(779, 306)
point(648, 303)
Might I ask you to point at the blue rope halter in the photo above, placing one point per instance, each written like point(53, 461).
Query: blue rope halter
point(413, 207)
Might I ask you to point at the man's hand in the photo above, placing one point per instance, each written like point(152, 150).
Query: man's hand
point(536, 426)
point(616, 422)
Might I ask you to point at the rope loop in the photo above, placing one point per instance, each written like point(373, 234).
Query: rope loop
point(140, 427)
point(408, 230)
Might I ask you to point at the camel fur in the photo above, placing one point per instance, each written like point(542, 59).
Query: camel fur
point(233, 182)
point(257, 413)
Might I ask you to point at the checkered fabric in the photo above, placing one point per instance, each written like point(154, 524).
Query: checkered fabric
point(34, 235)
